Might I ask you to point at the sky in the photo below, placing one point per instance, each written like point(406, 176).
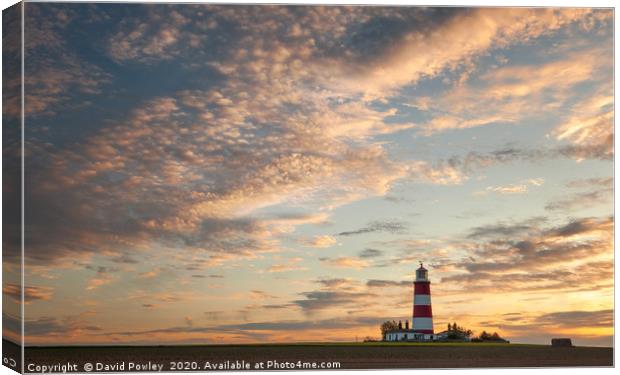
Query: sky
point(234, 174)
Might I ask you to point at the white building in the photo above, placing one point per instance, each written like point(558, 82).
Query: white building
point(408, 335)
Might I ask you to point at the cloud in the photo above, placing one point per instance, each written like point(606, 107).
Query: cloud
point(338, 283)
point(453, 50)
point(261, 331)
point(149, 274)
point(511, 94)
point(370, 253)
point(320, 241)
point(56, 77)
point(387, 283)
point(99, 281)
point(68, 326)
point(321, 300)
point(166, 33)
point(508, 189)
point(31, 292)
point(523, 258)
point(570, 323)
point(272, 131)
point(440, 173)
point(589, 128)
point(581, 200)
point(345, 262)
point(506, 229)
point(124, 163)
point(290, 266)
point(591, 182)
point(278, 306)
point(260, 295)
point(394, 227)
point(600, 318)
point(520, 188)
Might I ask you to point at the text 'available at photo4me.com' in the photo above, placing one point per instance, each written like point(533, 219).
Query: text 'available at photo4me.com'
point(160, 366)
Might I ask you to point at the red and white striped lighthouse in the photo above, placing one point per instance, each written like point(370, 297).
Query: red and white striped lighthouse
point(422, 312)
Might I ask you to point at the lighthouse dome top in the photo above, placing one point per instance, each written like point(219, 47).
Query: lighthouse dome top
point(421, 274)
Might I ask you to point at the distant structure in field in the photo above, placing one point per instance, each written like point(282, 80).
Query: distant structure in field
point(422, 319)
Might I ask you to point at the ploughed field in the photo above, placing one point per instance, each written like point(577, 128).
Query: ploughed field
point(321, 356)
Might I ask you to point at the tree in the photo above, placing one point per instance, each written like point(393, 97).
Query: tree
point(485, 336)
point(388, 326)
point(458, 333)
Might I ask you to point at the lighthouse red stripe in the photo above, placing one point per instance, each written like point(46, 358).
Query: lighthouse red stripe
point(422, 287)
point(423, 331)
point(422, 311)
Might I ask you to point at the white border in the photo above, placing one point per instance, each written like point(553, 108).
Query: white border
point(527, 3)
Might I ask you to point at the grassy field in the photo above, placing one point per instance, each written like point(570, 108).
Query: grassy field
point(347, 355)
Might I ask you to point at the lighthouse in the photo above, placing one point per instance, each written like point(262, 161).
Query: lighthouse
point(422, 312)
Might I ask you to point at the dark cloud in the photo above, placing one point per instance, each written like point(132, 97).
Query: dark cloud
point(291, 325)
point(545, 325)
point(590, 182)
point(505, 279)
point(59, 78)
point(572, 319)
point(124, 259)
point(101, 270)
point(601, 151)
point(334, 283)
point(581, 200)
point(395, 199)
point(31, 292)
point(12, 324)
point(506, 229)
point(51, 326)
point(372, 39)
point(283, 325)
point(278, 306)
point(320, 300)
point(241, 333)
point(370, 253)
point(581, 226)
point(474, 161)
point(387, 283)
point(393, 227)
point(521, 263)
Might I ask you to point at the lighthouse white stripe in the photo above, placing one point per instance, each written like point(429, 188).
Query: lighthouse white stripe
point(422, 323)
point(422, 299)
